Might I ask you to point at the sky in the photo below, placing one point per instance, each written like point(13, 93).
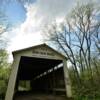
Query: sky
point(28, 19)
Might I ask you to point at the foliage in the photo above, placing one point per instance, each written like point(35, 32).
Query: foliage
point(89, 90)
point(4, 72)
point(3, 58)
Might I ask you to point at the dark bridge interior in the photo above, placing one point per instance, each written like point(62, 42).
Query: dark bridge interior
point(30, 67)
point(39, 75)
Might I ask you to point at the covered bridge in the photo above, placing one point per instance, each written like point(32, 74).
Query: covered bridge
point(38, 70)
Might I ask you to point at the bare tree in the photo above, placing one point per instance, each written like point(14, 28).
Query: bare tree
point(4, 27)
point(76, 37)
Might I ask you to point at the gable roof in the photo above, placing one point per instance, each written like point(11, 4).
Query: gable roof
point(44, 44)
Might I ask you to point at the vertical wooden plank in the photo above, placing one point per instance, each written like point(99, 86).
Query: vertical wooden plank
point(67, 80)
point(12, 80)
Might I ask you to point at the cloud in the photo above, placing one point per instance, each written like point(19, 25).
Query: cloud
point(44, 11)
point(38, 14)
point(49, 10)
point(23, 40)
point(54, 8)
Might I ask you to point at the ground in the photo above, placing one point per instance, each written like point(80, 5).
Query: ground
point(31, 96)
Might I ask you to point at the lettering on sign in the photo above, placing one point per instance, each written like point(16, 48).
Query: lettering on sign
point(42, 52)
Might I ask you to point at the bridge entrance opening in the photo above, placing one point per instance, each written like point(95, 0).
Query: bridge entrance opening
point(39, 75)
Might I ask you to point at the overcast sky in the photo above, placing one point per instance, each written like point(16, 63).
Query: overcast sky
point(28, 20)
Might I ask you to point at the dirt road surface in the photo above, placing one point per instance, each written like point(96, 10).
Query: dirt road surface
point(39, 97)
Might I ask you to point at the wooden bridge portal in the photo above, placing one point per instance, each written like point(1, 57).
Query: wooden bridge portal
point(38, 70)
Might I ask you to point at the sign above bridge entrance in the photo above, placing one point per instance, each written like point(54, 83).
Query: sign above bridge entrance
point(40, 51)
